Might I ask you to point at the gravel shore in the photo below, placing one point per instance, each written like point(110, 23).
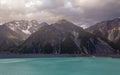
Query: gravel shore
point(52, 55)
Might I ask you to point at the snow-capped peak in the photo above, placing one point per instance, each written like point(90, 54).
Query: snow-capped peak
point(24, 27)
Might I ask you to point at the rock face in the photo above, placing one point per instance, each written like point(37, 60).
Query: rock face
point(8, 39)
point(63, 37)
point(108, 29)
point(24, 28)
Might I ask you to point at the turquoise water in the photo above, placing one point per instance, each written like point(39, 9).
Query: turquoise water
point(60, 66)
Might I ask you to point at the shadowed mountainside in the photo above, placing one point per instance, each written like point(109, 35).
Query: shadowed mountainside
point(63, 37)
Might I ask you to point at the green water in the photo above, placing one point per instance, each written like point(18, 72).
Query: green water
point(60, 66)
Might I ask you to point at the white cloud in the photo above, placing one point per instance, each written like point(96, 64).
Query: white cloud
point(33, 3)
point(77, 11)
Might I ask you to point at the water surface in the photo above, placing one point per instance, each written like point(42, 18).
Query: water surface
point(60, 66)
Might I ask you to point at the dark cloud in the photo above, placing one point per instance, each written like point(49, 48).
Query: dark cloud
point(81, 12)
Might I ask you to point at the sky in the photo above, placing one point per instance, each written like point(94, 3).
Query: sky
point(81, 12)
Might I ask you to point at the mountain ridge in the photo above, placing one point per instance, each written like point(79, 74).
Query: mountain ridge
point(61, 37)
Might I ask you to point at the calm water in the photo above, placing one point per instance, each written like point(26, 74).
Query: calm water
point(60, 66)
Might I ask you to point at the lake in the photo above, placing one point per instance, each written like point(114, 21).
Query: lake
point(60, 66)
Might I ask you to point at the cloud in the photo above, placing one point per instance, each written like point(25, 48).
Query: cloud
point(80, 12)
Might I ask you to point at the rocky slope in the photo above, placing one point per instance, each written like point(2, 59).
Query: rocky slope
point(8, 39)
point(109, 30)
point(63, 37)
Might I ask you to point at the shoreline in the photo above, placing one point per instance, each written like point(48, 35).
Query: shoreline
point(53, 56)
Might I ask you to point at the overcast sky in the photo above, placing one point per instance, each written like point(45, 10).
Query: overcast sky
point(80, 12)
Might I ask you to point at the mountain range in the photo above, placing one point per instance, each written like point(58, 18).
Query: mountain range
point(61, 37)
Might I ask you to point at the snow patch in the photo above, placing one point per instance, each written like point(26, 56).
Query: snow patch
point(26, 31)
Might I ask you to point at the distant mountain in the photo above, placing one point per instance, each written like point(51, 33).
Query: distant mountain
point(8, 39)
point(108, 29)
point(24, 28)
point(63, 37)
